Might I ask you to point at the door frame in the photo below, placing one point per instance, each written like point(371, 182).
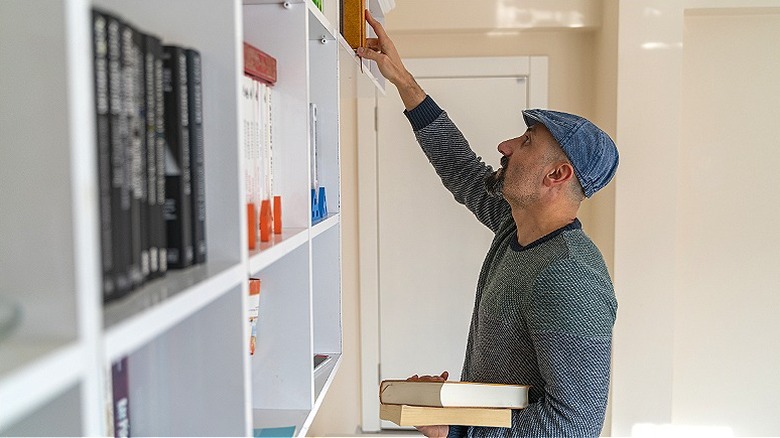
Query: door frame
point(533, 69)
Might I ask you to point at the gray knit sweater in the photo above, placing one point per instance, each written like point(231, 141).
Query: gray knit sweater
point(543, 313)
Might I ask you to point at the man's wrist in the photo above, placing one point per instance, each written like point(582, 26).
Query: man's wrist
point(423, 114)
point(410, 91)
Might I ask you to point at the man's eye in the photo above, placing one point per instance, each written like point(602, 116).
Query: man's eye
point(527, 139)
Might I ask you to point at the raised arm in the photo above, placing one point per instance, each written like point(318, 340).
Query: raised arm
point(462, 172)
point(382, 50)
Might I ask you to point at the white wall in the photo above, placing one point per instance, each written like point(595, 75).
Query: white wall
point(696, 248)
point(727, 334)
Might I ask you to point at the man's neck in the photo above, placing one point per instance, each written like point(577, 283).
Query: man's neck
point(535, 223)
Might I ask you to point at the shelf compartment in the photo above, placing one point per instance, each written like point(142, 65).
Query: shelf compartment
point(326, 290)
point(187, 381)
point(31, 373)
point(299, 418)
point(59, 415)
point(324, 93)
point(176, 22)
point(261, 24)
point(146, 313)
point(280, 244)
point(282, 363)
point(48, 261)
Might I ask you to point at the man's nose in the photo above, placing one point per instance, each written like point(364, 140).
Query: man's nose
point(505, 147)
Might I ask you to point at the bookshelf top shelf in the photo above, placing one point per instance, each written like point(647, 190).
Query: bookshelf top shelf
point(369, 68)
point(374, 5)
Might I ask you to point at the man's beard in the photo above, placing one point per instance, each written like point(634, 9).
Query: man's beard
point(494, 183)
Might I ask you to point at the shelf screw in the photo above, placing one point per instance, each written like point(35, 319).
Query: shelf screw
point(323, 40)
point(287, 5)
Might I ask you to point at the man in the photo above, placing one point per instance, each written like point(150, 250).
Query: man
point(545, 304)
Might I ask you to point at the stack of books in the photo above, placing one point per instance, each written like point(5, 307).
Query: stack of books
point(430, 403)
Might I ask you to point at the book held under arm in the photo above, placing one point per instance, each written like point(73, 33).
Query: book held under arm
point(453, 394)
point(405, 415)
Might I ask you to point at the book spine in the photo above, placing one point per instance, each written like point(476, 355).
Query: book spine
point(195, 111)
point(353, 22)
point(246, 96)
point(159, 223)
point(136, 109)
point(268, 159)
point(121, 395)
point(103, 129)
point(151, 156)
point(178, 186)
point(259, 64)
point(120, 193)
point(254, 312)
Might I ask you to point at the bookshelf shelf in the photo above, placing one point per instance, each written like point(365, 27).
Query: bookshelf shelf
point(281, 419)
point(147, 313)
point(324, 225)
point(278, 247)
point(185, 335)
point(38, 372)
point(369, 68)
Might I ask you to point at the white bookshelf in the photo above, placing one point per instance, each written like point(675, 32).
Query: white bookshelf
point(185, 335)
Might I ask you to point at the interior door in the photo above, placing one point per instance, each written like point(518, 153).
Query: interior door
point(430, 248)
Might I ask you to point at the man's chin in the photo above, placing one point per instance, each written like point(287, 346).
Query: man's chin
point(494, 184)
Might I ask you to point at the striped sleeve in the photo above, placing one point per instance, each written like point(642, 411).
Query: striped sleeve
point(461, 171)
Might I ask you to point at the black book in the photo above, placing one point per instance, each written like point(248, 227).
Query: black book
point(178, 187)
point(195, 99)
point(133, 58)
point(159, 227)
point(120, 385)
point(103, 128)
point(153, 218)
point(120, 187)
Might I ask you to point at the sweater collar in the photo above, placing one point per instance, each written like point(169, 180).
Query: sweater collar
point(515, 245)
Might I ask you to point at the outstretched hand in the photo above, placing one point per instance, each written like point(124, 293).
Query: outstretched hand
point(432, 431)
point(382, 51)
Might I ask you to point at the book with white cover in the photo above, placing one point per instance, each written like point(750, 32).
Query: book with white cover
point(453, 394)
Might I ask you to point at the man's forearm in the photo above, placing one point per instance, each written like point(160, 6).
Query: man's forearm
point(410, 91)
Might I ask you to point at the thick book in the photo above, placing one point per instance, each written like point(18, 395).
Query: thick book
point(158, 226)
point(103, 141)
point(353, 22)
point(120, 180)
point(195, 100)
point(133, 59)
point(453, 394)
point(153, 218)
point(120, 384)
point(259, 65)
point(404, 415)
point(178, 185)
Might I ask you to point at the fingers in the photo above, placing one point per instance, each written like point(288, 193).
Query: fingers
point(443, 376)
point(377, 26)
point(373, 43)
point(368, 53)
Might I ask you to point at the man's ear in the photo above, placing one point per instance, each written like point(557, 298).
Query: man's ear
point(561, 173)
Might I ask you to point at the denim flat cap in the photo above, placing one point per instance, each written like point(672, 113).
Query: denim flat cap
point(590, 150)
